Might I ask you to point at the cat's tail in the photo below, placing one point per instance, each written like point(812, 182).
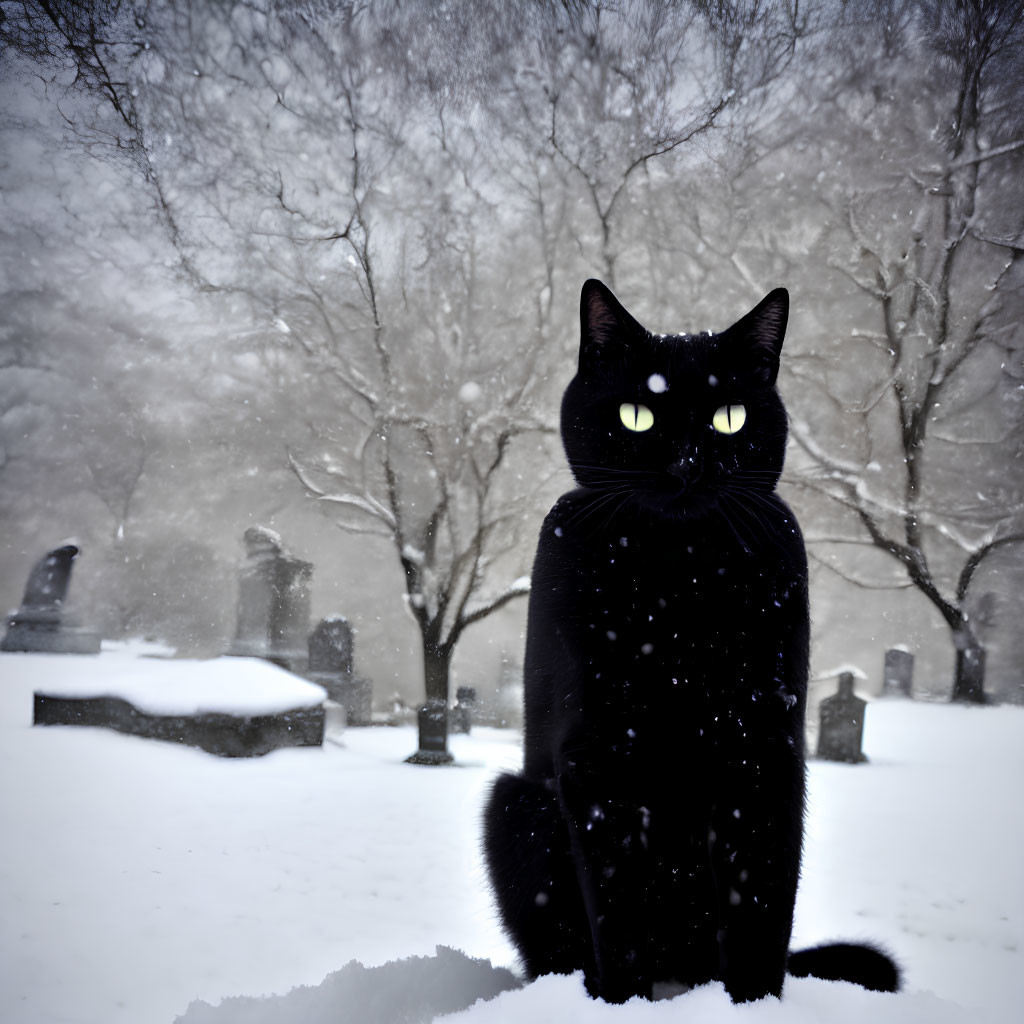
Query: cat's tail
point(862, 965)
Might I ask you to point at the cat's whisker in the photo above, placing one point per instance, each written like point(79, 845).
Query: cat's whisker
point(741, 504)
point(731, 523)
point(754, 477)
point(611, 470)
point(760, 498)
point(602, 498)
point(625, 500)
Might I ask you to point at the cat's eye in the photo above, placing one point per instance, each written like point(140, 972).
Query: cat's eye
point(636, 417)
point(729, 418)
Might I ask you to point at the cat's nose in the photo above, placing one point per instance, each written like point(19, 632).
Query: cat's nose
point(682, 471)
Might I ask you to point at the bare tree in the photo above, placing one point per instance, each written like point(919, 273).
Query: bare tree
point(933, 246)
point(434, 421)
point(610, 90)
point(433, 466)
point(372, 267)
point(340, 208)
point(902, 247)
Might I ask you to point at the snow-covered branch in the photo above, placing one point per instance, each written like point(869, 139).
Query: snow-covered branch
point(518, 588)
point(364, 502)
point(855, 581)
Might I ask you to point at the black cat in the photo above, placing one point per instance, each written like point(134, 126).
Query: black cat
point(654, 834)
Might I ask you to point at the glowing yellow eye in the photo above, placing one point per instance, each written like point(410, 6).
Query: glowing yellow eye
point(636, 417)
point(729, 418)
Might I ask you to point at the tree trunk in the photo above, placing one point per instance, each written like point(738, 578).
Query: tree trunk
point(433, 714)
point(436, 660)
point(969, 681)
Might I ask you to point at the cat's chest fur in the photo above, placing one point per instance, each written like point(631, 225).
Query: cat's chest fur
point(673, 634)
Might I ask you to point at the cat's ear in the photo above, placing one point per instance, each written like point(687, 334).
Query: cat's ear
point(761, 333)
point(604, 324)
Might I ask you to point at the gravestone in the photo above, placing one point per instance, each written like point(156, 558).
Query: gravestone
point(898, 675)
point(331, 659)
point(842, 724)
point(41, 624)
point(465, 705)
point(331, 646)
point(433, 726)
point(273, 602)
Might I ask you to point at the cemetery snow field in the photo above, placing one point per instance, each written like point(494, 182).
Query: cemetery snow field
point(139, 877)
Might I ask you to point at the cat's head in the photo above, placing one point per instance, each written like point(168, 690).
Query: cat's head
point(682, 424)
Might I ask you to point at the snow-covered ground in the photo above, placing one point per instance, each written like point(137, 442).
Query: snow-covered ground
point(137, 877)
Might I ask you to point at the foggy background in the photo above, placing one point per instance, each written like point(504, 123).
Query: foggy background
point(316, 266)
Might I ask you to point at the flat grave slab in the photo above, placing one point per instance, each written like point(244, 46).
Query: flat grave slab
point(232, 707)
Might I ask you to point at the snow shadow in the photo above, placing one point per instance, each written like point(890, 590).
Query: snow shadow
point(401, 992)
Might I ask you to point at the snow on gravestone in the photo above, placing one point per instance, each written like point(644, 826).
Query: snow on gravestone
point(233, 707)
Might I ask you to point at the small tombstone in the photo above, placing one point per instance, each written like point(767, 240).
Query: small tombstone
point(273, 602)
point(433, 725)
point(331, 655)
point(842, 724)
point(465, 704)
point(898, 676)
point(41, 624)
point(331, 646)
